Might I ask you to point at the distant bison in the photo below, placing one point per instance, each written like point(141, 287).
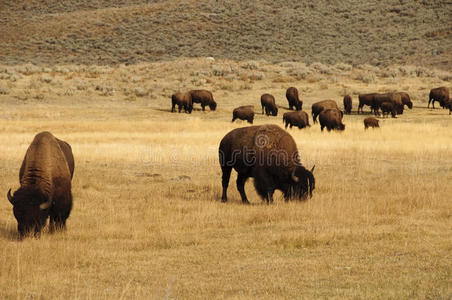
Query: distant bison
point(371, 122)
point(440, 94)
point(298, 119)
point(347, 104)
point(45, 185)
point(269, 155)
point(182, 100)
point(331, 119)
point(269, 105)
point(204, 97)
point(365, 99)
point(320, 106)
point(292, 98)
point(394, 98)
point(388, 108)
point(245, 113)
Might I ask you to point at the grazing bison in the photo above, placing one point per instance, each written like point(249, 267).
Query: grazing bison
point(440, 94)
point(394, 98)
point(298, 119)
point(347, 104)
point(204, 97)
point(365, 99)
point(182, 100)
point(388, 107)
point(320, 106)
point(371, 122)
point(292, 98)
point(406, 100)
point(245, 113)
point(268, 103)
point(331, 119)
point(269, 155)
point(45, 185)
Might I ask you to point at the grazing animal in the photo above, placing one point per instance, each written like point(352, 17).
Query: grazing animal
point(245, 113)
point(268, 103)
point(204, 97)
point(292, 98)
point(320, 106)
point(440, 94)
point(371, 122)
point(406, 100)
point(449, 106)
point(331, 119)
point(394, 98)
point(298, 119)
point(269, 155)
point(388, 107)
point(45, 185)
point(347, 104)
point(182, 100)
point(365, 99)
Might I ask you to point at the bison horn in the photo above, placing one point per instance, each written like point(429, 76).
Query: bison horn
point(312, 170)
point(46, 204)
point(10, 198)
point(294, 178)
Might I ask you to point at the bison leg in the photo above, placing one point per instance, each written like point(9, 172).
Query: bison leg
point(262, 109)
point(179, 107)
point(173, 107)
point(241, 179)
point(203, 107)
point(264, 185)
point(225, 182)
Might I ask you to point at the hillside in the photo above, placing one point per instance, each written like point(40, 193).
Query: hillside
point(117, 31)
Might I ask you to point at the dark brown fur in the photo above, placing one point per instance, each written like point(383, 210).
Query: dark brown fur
point(388, 108)
point(298, 119)
point(269, 155)
point(449, 106)
point(45, 185)
point(204, 97)
point(269, 105)
point(371, 122)
point(331, 119)
point(245, 113)
point(440, 94)
point(320, 106)
point(394, 98)
point(293, 99)
point(347, 104)
point(365, 99)
point(182, 100)
point(406, 99)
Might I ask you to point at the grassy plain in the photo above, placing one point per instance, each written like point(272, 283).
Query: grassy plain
point(147, 219)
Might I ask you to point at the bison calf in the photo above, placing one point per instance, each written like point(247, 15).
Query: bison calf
point(371, 122)
point(331, 119)
point(245, 113)
point(298, 119)
point(269, 105)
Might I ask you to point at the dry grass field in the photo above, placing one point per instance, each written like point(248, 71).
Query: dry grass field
point(147, 220)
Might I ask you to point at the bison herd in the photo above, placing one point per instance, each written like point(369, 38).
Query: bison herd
point(266, 153)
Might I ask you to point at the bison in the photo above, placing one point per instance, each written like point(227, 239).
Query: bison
point(269, 155)
point(406, 100)
point(45, 185)
point(440, 94)
point(292, 98)
point(182, 100)
point(299, 119)
point(331, 119)
point(347, 104)
point(320, 106)
point(204, 97)
point(394, 98)
point(371, 122)
point(388, 107)
point(268, 103)
point(365, 99)
point(243, 113)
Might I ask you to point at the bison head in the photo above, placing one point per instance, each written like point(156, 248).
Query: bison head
point(341, 127)
point(409, 104)
point(302, 183)
point(30, 209)
point(213, 105)
point(274, 111)
point(299, 105)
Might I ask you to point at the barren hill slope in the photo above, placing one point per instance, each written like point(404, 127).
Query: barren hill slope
point(118, 31)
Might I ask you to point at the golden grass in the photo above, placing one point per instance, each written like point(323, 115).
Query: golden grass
point(147, 221)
